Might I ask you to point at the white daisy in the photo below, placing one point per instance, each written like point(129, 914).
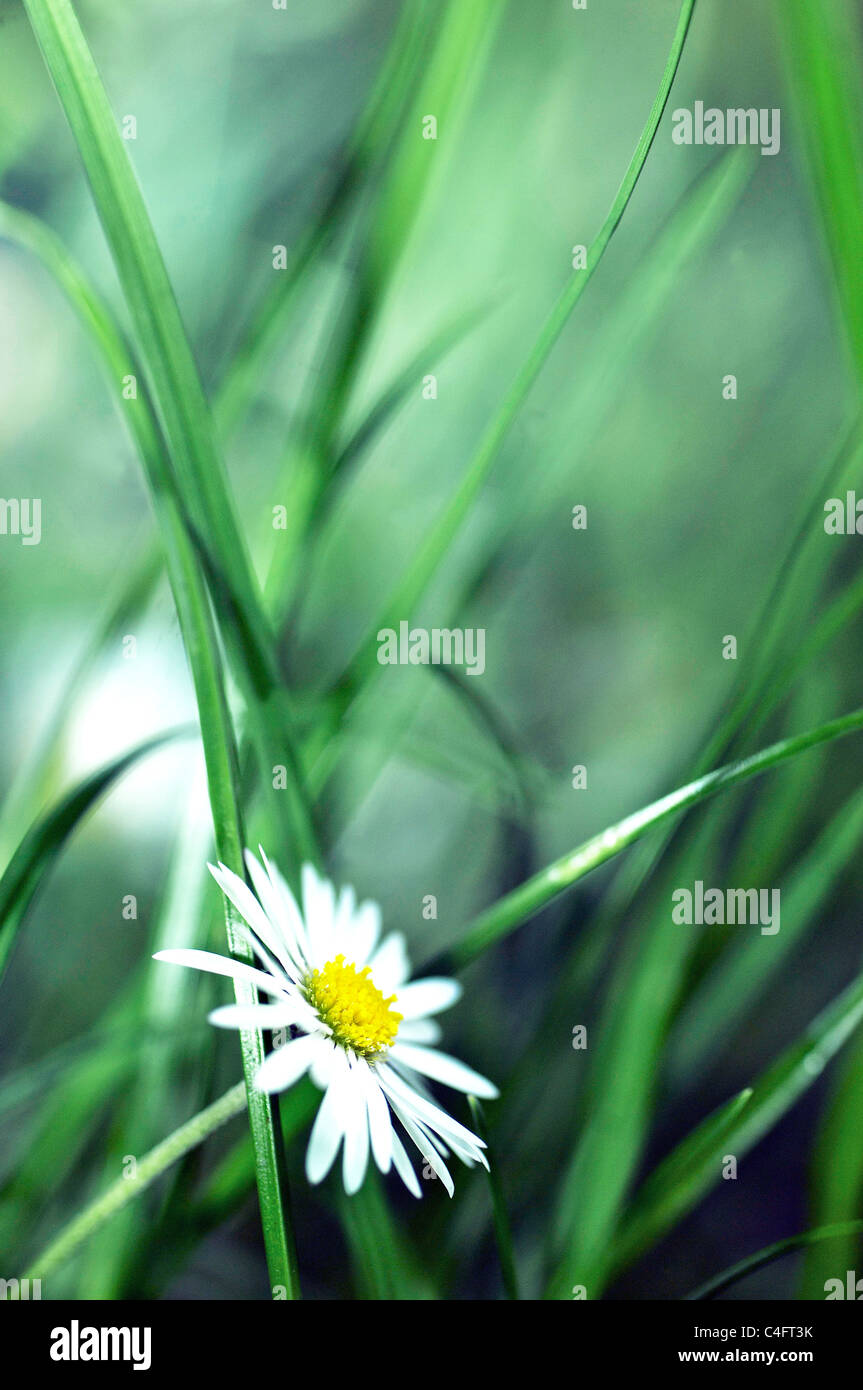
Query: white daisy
point(357, 1027)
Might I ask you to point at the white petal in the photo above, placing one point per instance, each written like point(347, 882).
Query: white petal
point(269, 961)
point(390, 965)
point(281, 910)
point(289, 905)
point(426, 1148)
point(328, 1128)
point(423, 997)
point(240, 894)
point(419, 1030)
point(358, 937)
point(253, 1016)
point(448, 1070)
point(223, 965)
point(380, 1124)
point(324, 1066)
point(285, 1066)
point(319, 910)
point(346, 906)
point(425, 1111)
point(355, 1157)
point(404, 1167)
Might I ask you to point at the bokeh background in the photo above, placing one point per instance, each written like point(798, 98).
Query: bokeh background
point(604, 646)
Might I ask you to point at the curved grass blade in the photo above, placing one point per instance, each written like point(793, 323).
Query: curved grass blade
point(739, 1271)
point(837, 1173)
point(823, 55)
point(314, 491)
point(437, 543)
point(442, 82)
point(270, 712)
point(680, 1181)
point(369, 144)
point(165, 351)
point(150, 1167)
point(197, 497)
point(722, 999)
point(376, 418)
point(188, 1219)
point(500, 1215)
point(701, 211)
point(31, 786)
point(197, 473)
point(43, 842)
point(513, 909)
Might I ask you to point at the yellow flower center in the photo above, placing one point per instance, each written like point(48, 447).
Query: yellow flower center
point(356, 1010)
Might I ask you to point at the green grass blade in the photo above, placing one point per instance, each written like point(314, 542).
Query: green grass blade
point(43, 842)
point(270, 712)
point(513, 909)
point(625, 1064)
point(437, 543)
point(197, 473)
point(695, 1166)
point(443, 82)
point(744, 971)
point(462, 38)
point(151, 1167)
point(837, 1174)
point(383, 115)
point(739, 1271)
point(823, 54)
point(32, 784)
point(500, 1214)
point(631, 321)
point(165, 351)
point(703, 209)
point(385, 1266)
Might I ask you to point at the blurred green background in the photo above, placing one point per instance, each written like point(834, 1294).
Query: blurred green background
point(604, 646)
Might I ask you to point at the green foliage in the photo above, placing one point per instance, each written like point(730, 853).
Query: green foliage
point(285, 675)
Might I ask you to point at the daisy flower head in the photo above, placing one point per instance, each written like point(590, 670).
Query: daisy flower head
point(354, 1023)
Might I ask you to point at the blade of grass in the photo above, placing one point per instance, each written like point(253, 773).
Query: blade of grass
point(413, 585)
point(680, 1181)
point(372, 137)
point(500, 1215)
point(44, 840)
point(32, 786)
point(165, 351)
point(823, 54)
point(385, 1266)
point(151, 1167)
point(624, 1067)
point(837, 1173)
point(171, 1076)
point(269, 709)
point(187, 1220)
point(462, 35)
point(632, 319)
point(739, 1271)
point(743, 972)
point(313, 492)
point(516, 907)
point(196, 466)
point(196, 497)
